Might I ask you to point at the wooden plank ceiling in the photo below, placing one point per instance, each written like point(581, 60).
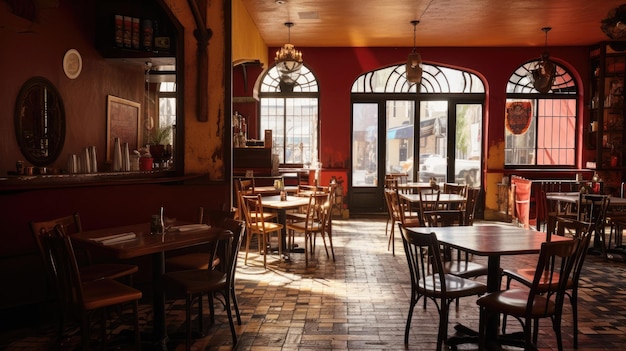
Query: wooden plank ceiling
point(443, 23)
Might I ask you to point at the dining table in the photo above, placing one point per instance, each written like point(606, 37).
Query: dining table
point(132, 241)
point(413, 187)
point(281, 206)
point(492, 241)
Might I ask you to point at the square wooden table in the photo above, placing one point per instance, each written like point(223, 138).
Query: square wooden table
point(147, 244)
point(292, 202)
point(493, 241)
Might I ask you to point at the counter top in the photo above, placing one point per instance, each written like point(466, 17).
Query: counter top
point(23, 183)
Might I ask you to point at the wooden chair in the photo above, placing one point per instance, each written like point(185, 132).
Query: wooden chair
point(564, 227)
point(542, 300)
point(196, 282)
point(399, 214)
point(246, 187)
point(315, 217)
point(199, 257)
point(252, 207)
point(429, 280)
point(469, 208)
point(88, 271)
point(454, 188)
point(81, 298)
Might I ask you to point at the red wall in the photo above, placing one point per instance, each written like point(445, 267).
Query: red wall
point(337, 68)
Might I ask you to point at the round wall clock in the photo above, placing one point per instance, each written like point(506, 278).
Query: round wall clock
point(72, 63)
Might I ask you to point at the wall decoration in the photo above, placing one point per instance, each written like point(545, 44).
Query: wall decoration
point(123, 123)
point(518, 116)
point(72, 64)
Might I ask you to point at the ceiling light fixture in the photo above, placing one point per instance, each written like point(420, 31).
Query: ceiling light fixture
point(288, 60)
point(545, 70)
point(414, 61)
point(614, 26)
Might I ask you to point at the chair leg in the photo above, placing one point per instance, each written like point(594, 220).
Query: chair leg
point(248, 239)
point(188, 321)
point(229, 313)
point(136, 325)
point(408, 319)
point(235, 304)
point(211, 298)
point(201, 314)
point(85, 333)
point(442, 335)
point(391, 241)
point(574, 303)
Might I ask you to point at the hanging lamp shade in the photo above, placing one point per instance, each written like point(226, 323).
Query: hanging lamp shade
point(288, 61)
point(414, 61)
point(614, 25)
point(545, 70)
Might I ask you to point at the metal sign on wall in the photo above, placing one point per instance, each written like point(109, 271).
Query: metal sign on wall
point(518, 116)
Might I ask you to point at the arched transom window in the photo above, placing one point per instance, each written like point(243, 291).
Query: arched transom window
point(540, 129)
point(291, 112)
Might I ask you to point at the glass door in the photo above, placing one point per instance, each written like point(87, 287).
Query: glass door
point(433, 136)
point(365, 171)
point(400, 132)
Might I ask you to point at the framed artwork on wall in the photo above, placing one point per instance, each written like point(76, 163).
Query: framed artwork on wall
point(123, 122)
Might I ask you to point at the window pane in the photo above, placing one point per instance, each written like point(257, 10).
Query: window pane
point(364, 145)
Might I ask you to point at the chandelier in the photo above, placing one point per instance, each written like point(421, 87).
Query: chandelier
point(414, 61)
point(545, 70)
point(614, 26)
point(288, 60)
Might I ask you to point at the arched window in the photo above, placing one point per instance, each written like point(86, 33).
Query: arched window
point(540, 129)
point(291, 112)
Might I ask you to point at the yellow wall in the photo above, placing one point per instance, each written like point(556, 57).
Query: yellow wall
point(248, 45)
point(204, 141)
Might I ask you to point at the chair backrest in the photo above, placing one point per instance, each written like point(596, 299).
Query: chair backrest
point(582, 232)
point(228, 247)
point(62, 261)
point(453, 188)
point(556, 259)
point(71, 224)
point(315, 211)
point(470, 205)
point(592, 208)
point(443, 218)
point(305, 190)
point(424, 258)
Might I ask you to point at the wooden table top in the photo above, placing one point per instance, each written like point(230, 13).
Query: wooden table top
point(491, 240)
point(431, 197)
point(144, 242)
point(274, 202)
point(573, 198)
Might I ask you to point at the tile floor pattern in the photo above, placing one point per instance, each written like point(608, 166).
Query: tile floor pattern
point(359, 302)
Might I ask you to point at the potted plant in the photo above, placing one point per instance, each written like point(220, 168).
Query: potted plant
point(157, 141)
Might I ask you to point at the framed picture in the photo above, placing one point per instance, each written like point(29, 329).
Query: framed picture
point(123, 122)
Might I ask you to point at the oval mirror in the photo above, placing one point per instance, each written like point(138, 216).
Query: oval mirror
point(39, 121)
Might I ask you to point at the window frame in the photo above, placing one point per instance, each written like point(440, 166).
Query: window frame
point(519, 87)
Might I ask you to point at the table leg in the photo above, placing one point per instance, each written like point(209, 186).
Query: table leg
point(493, 285)
point(282, 219)
point(158, 301)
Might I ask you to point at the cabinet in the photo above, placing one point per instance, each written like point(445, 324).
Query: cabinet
point(606, 131)
point(140, 30)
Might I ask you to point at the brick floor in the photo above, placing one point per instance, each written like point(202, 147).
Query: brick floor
point(360, 302)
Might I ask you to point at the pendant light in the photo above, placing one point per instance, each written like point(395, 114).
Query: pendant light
point(414, 61)
point(545, 70)
point(288, 60)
